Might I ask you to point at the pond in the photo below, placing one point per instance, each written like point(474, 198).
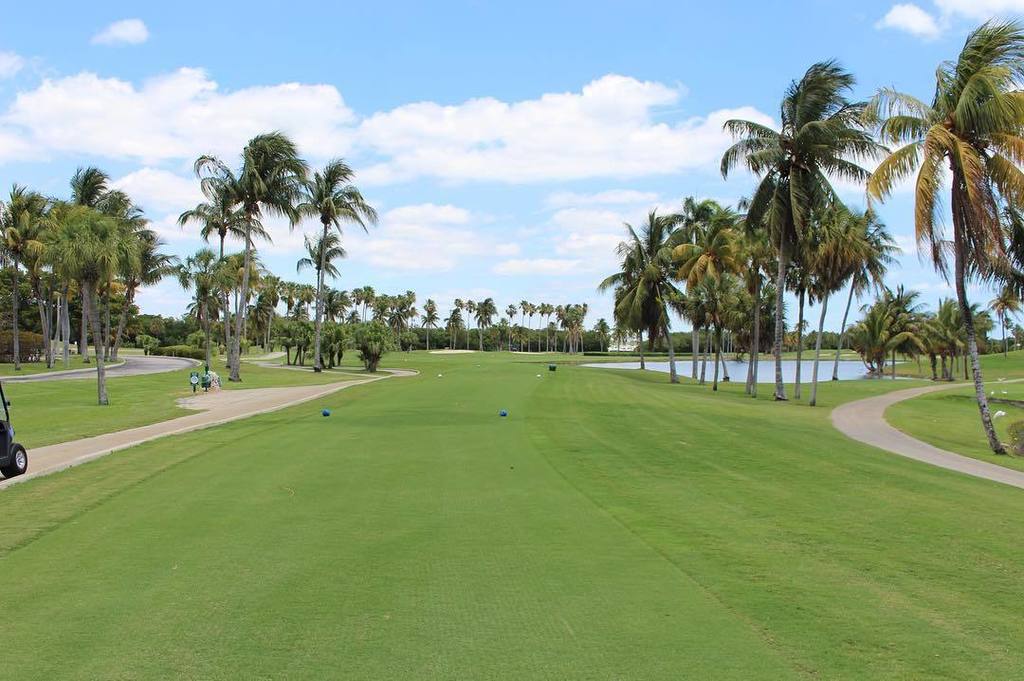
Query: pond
point(848, 370)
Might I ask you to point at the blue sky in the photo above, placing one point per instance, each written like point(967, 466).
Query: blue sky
point(503, 144)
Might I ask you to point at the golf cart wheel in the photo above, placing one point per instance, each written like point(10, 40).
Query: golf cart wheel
point(18, 464)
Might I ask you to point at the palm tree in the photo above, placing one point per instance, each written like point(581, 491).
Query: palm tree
point(331, 198)
point(146, 269)
point(202, 273)
point(756, 256)
point(972, 128)
point(470, 315)
point(88, 247)
point(21, 225)
point(1003, 305)
point(511, 312)
point(454, 323)
point(429, 317)
point(270, 181)
point(485, 312)
point(602, 330)
point(822, 136)
point(879, 334)
point(644, 291)
point(321, 256)
point(869, 272)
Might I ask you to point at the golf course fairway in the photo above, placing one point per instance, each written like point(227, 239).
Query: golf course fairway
point(612, 526)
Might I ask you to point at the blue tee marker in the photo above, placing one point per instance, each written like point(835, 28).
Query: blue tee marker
point(502, 413)
point(326, 412)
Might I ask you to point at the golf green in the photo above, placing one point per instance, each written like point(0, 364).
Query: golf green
point(610, 527)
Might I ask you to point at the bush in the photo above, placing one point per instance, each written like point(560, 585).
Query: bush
point(179, 351)
point(146, 343)
point(30, 346)
point(1017, 437)
point(197, 339)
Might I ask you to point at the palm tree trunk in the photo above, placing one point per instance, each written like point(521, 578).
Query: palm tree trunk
point(129, 298)
point(83, 341)
point(755, 349)
point(725, 365)
point(44, 322)
point(1002, 321)
point(933, 361)
point(817, 352)
point(235, 349)
point(642, 364)
point(66, 327)
point(704, 362)
point(105, 303)
point(718, 354)
point(15, 301)
point(673, 377)
point(694, 351)
point(799, 341)
point(317, 364)
point(98, 342)
point(780, 322)
point(960, 272)
point(842, 334)
point(206, 322)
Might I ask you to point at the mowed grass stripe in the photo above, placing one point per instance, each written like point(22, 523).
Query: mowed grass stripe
point(413, 534)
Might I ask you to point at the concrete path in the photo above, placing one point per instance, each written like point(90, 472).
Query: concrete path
point(864, 421)
point(213, 408)
point(129, 365)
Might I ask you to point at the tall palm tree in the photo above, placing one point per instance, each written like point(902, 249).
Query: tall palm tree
point(321, 255)
point(756, 256)
point(603, 331)
point(485, 312)
point(331, 198)
point(270, 182)
point(1006, 303)
point(511, 312)
point(430, 318)
point(147, 268)
point(972, 129)
point(202, 273)
point(694, 215)
point(643, 285)
point(89, 185)
point(822, 136)
point(88, 247)
point(21, 224)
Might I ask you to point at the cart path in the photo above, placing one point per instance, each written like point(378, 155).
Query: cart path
point(864, 421)
point(214, 408)
point(129, 365)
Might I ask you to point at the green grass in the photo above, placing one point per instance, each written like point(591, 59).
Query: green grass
point(46, 413)
point(612, 527)
point(27, 368)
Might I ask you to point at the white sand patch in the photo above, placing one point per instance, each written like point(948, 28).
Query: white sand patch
point(451, 352)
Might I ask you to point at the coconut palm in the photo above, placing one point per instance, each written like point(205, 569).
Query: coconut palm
point(756, 256)
point(203, 274)
point(321, 256)
point(485, 313)
point(470, 316)
point(270, 182)
point(511, 312)
point(972, 133)
point(822, 136)
point(1006, 303)
point(21, 224)
point(429, 318)
point(88, 247)
point(331, 198)
point(878, 334)
point(147, 268)
point(454, 323)
point(603, 332)
point(643, 286)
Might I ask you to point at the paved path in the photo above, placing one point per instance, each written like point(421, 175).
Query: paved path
point(214, 408)
point(129, 365)
point(864, 420)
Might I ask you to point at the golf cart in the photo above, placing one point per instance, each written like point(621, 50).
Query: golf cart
point(13, 457)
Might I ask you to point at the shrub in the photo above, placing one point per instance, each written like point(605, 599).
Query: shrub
point(30, 346)
point(1017, 437)
point(146, 343)
point(196, 339)
point(179, 351)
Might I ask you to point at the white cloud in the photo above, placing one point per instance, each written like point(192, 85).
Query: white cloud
point(428, 237)
point(606, 129)
point(123, 32)
point(551, 266)
point(612, 197)
point(911, 19)
point(10, 64)
point(175, 116)
point(156, 189)
point(980, 10)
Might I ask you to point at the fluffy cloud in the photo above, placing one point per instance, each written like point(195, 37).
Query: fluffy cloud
point(156, 189)
point(175, 116)
point(10, 64)
point(912, 19)
point(611, 197)
point(606, 129)
point(123, 32)
point(428, 237)
point(549, 266)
